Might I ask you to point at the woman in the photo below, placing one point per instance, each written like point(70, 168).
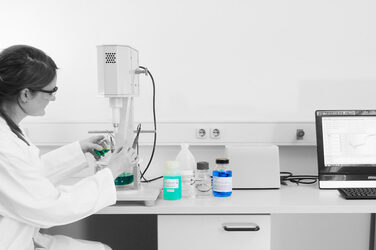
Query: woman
point(30, 196)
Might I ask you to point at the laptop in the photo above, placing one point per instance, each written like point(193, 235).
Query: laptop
point(346, 148)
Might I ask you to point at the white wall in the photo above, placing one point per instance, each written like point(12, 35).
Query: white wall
point(213, 60)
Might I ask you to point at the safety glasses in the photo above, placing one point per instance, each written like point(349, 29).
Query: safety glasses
point(51, 92)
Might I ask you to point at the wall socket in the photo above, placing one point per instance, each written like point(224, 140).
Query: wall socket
point(201, 133)
point(215, 133)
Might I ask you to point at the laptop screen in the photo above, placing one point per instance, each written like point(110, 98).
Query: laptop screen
point(346, 144)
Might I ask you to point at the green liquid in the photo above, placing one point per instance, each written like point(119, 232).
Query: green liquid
point(124, 179)
point(101, 153)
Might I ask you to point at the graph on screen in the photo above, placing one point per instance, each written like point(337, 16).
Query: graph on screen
point(349, 140)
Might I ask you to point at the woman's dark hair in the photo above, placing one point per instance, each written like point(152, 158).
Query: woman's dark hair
point(22, 66)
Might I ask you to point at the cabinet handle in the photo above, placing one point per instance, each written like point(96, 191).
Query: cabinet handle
point(231, 227)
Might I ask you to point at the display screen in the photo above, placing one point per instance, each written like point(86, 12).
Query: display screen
point(349, 141)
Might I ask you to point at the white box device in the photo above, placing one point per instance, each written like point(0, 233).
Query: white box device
point(117, 65)
point(254, 167)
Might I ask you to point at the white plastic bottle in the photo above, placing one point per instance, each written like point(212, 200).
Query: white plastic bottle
point(187, 165)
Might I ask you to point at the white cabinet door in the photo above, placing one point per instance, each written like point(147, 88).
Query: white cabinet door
point(217, 232)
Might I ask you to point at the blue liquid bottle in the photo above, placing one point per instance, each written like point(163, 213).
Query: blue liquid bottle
point(222, 178)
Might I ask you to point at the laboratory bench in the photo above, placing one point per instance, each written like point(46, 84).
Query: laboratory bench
point(242, 220)
point(288, 199)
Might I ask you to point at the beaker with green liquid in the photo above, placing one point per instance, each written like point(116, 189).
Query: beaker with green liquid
point(124, 179)
point(129, 179)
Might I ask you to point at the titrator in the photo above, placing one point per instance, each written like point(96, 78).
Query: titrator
point(118, 80)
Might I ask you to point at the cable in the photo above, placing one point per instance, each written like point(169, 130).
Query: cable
point(154, 179)
point(147, 72)
point(298, 179)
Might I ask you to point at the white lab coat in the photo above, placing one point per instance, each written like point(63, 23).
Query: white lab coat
point(31, 198)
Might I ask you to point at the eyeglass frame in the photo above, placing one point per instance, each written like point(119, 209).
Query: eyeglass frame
point(46, 91)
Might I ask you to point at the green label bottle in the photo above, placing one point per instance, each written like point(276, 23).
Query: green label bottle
point(172, 181)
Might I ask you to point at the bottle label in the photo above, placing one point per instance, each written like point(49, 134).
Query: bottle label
point(222, 184)
point(171, 183)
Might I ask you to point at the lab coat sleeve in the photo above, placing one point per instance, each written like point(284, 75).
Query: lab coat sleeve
point(28, 196)
point(64, 162)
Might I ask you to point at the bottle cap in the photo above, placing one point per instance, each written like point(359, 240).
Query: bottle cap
point(202, 165)
point(222, 161)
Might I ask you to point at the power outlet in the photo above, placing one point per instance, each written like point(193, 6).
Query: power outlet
point(201, 133)
point(215, 133)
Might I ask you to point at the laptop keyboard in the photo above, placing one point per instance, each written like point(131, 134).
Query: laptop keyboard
point(358, 193)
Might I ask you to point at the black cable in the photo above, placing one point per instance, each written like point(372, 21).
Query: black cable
point(298, 179)
point(155, 130)
point(154, 179)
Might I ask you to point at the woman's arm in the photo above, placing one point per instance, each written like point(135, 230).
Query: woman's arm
point(64, 162)
point(70, 159)
point(28, 196)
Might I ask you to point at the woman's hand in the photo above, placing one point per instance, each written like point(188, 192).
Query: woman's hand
point(95, 142)
point(121, 160)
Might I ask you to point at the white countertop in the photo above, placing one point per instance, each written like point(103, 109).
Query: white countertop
point(288, 199)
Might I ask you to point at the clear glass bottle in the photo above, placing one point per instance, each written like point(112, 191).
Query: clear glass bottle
point(203, 179)
point(222, 178)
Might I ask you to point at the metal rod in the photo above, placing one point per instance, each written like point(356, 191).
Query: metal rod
point(100, 131)
point(111, 131)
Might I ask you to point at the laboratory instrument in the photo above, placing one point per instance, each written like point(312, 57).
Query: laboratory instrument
point(256, 166)
point(127, 178)
point(222, 178)
point(118, 80)
point(135, 141)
